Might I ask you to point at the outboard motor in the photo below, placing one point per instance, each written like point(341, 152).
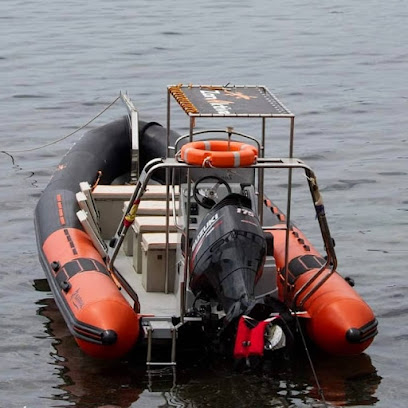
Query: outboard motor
point(228, 254)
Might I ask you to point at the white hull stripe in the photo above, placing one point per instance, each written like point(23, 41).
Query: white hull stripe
point(185, 158)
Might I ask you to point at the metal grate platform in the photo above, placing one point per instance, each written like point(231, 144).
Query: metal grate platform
point(231, 101)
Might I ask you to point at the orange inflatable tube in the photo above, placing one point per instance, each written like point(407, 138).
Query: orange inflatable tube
point(337, 319)
point(102, 321)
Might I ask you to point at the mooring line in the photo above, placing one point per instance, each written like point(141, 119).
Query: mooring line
point(9, 152)
point(319, 388)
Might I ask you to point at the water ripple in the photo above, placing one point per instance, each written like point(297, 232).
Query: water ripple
point(348, 184)
point(340, 67)
point(28, 96)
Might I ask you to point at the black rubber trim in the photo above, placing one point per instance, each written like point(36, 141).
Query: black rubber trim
point(363, 333)
point(76, 266)
point(301, 264)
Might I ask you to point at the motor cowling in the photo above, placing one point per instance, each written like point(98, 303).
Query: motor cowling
point(228, 254)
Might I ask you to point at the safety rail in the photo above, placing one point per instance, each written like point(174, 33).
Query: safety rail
point(331, 259)
point(265, 163)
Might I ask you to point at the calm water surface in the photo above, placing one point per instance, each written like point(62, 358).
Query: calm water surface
point(341, 68)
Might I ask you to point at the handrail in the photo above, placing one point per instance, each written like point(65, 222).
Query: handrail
point(328, 242)
point(123, 226)
point(281, 163)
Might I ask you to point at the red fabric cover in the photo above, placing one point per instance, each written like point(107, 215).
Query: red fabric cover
point(250, 337)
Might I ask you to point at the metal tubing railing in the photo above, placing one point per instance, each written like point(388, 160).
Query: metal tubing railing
point(277, 163)
point(331, 260)
point(261, 154)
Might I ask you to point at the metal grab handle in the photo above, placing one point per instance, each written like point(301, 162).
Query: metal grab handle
point(327, 239)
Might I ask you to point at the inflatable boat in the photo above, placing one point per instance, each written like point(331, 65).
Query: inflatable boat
point(146, 236)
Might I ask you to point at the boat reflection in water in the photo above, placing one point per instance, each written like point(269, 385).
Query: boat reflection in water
point(349, 380)
point(86, 381)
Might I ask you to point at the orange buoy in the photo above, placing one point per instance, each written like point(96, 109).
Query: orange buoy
point(219, 153)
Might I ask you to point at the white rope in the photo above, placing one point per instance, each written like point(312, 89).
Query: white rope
point(178, 157)
point(8, 152)
point(207, 162)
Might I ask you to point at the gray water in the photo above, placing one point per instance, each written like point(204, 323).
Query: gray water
point(341, 68)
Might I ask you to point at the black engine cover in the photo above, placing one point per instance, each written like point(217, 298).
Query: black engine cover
point(228, 254)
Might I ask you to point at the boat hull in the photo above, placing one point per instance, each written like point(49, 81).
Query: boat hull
point(103, 322)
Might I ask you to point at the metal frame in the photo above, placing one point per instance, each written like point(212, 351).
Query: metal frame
point(272, 163)
point(194, 115)
point(171, 163)
point(134, 128)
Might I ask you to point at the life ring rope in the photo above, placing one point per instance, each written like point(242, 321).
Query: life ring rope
point(219, 153)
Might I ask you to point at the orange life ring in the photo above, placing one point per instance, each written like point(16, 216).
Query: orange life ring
point(219, 153)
